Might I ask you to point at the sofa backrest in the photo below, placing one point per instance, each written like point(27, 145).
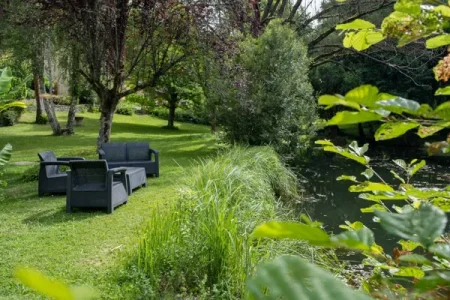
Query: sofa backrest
point(89, 175)
point(115, 152)
point(49, 156)
point(138, 152)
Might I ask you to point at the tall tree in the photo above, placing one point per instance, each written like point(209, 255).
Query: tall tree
point(120, 39)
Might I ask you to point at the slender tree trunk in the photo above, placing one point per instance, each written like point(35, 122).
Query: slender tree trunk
point(171, 120)
point(52, 119)
point(71, 116)
point(74, 82)
point(37, 95)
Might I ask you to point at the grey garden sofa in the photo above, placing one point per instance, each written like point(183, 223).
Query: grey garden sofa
point(51, 179)
point(131, 155)
point(91, 184)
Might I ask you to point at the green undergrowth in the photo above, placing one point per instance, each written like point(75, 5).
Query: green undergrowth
point(86, 247)
point(199, 246)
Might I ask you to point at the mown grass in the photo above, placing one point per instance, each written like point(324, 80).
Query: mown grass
point(200, 247)
point(84, 248)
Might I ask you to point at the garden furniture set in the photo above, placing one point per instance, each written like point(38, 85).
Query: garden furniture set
point(104, 183)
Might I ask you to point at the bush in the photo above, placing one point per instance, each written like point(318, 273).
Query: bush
point(10, 116)
point(42, 120)
point(181, 115)
point(62, 100)
point(86, 96)
point(267, 97)
point(200, 246)
point(125, 109)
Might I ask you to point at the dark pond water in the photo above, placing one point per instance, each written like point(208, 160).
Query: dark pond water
point(330, 202)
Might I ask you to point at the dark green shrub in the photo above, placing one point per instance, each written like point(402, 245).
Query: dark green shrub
point(10, 116)
point(126, 111)
point(181, 115)
point(42, 120)
point(125, 108)
point(87, 97)
point(266, 97)
point(62, 100)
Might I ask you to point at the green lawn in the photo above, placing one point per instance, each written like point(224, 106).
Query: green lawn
point(84, 247)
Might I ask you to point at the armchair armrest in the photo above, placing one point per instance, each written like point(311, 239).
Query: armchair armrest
point(123, 178)
point(55, 163)
point(118, 170)
point(68, 158)
point(101, 154)
point(155, 152)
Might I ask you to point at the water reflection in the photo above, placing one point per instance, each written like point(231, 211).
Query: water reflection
point(330, 202)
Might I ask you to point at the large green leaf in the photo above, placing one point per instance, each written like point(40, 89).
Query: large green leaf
point(411, 7)
point(415, 258)
point(441, 250)
point(360, 159)
point(373, 208)
point(365, 95)
point(347, 117)
point(392, 130)
point(52, 288)
point(416, 167)
point(443, 91)
point(433, 281)
point(361, 239)
point(291, 278)
point(394, 196)
point(369, 186)
point(415, 272)
point(290, 230)
point(442, 203)
point(444, 10)
point(5, 154)
point(333, 100)
point(438, 41)
point(409, 245)
point(423, 225)
point(355, 25)
point(5, 81)
point(399, 105)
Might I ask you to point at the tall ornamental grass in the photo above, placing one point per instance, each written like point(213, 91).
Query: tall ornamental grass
point(199, 245)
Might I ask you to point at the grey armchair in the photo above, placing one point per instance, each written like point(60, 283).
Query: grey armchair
point(51, 179)
point(90, 184)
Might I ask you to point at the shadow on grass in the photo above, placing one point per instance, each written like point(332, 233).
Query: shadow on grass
point(51, 217)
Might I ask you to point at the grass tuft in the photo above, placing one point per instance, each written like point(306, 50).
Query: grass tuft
point(200, 245)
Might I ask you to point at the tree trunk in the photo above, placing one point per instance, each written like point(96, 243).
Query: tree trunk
point(74, 92)
point(106, 118)
point(171, 120)
point(71, 116)
point(37, 95)
point(52, 119)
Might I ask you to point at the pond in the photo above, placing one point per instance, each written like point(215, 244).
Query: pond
point(330, 202)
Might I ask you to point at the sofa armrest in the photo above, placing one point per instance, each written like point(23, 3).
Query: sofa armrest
point(68, 158)
point(55, 163)
point(155, 152)
point(101, 154)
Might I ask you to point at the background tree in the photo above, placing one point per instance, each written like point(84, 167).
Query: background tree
point(122, 38)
